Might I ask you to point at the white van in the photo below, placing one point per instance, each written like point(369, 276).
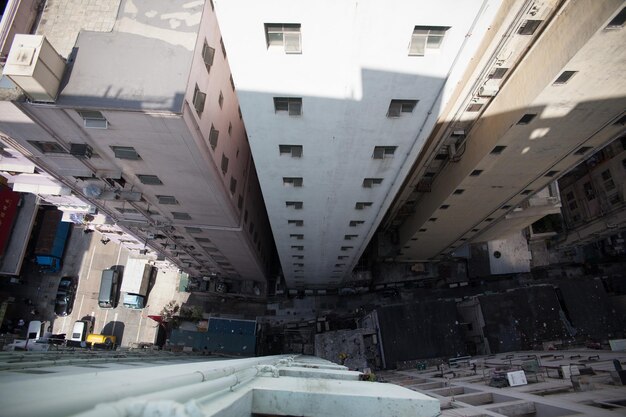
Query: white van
point(80, 330)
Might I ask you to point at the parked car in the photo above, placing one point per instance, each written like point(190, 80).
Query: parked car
point(80, 330)
point(101, 340)
point(65, 296)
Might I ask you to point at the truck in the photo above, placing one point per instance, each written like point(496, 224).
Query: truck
point(51, 241)
point(135, 283)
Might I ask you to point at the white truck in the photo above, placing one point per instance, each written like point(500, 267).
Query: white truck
point(135, 282)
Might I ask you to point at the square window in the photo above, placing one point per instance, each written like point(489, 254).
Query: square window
point(198, 100)
point(397, 107)
point(292, 181)
point(340, 257)
point(476, 172)
point(284, 35)
point(369, 182)
point(93, 119)
point(527, 118)
point(193, 230)
point(207, 56)
point(297, 247)
point(125, 152)
point(422, 230)
point(224, 164)
point(181, 216)
point(298, 223)
point(459, 191)
point(498, 73)
point(355, 223)
point(232, 82)
point(294, 150)
point(223, 47)
point(350, 237)
point(297, 256)
point(425, 38)
point(618, 21)
point(583, 150)
point(213, 137)
point(498, 150)
point(526, 192)
point(551, 173)
point(564, 77)
point(149, 179)
point(489, 219)
point(297, 236)
point(432, 219)
point(444, 207)
point(166, 199)
point(474, 107)
point(529, 27)
point(291, 105)
point(294, 204)
point(47, 147)
point(220, 100)
point(240, 202)
point(233, 186)
point(362, 205)
point(126, 210)
point(346, 248)
point(506, 207)
point(382, 152)
point(230, 129)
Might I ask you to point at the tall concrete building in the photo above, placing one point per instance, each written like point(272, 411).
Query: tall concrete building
point(131, 105)
point(426, 125)
point(445, 117)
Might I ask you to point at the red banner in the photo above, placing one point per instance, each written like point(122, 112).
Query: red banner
point(8, 210)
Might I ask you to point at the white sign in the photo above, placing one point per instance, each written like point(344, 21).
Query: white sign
point(516, 378)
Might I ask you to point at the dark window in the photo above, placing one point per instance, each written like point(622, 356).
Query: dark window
point(444, 207)
point(526, 192)
point(292, 181)
point(149, 179)
point(355, 223)
point(369, 182)
point(291, 105)
point(125, 152)
point(181, 216)
point(582, 150)
point(527, 118)
point(362, 204)
point(233, 185)
point(294, 204)
point(498, 73)
point(167, 199)
point(47, 147)
point(296, 222)
point(529, 27)
point(224, 164)
point(397, 107)
point(618, 21)
point(551, 173)
point(294, 150)
point(476, 172)
point(564, 77)
point(459, 191)
point(382, 152)
point(198, 100)
point(474, 107)
point(207, 55)
point(498, 150)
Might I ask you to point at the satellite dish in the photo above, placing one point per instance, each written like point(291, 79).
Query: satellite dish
point(92, 190)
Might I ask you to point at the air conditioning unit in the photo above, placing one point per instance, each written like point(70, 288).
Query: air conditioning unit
point(35, 66)
point(488, 90)
point(81, 150)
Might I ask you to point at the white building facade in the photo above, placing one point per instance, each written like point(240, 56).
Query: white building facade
point(338, 100)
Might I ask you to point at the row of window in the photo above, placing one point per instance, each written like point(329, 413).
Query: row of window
point(296, 151)
point(288, 36)
point(293, 106)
